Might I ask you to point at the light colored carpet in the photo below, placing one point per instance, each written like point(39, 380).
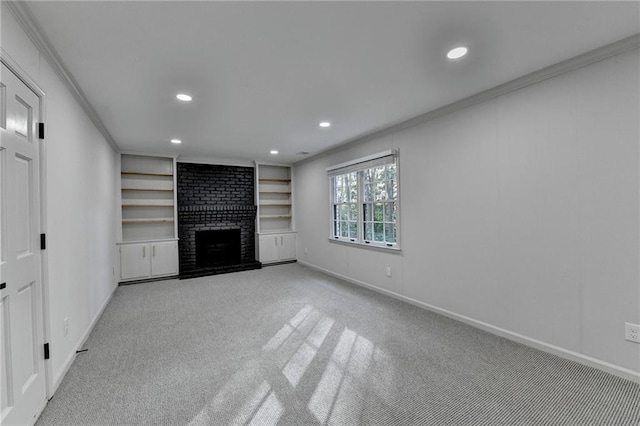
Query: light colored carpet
point(288, 345)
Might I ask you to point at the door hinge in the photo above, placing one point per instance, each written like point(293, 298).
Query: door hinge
point(46, 351)
point(40, 130)
point(43, 241)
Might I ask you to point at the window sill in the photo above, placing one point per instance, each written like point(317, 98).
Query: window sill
point(358, 244)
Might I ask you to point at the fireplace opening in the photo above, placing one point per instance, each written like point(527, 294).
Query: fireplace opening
point(218, 248)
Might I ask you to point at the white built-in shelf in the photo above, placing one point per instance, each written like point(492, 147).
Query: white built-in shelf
point(275, 203)
point(148, 197)
point(275, 222)
point(274, 180)
point(147, 203)
point(274, 198)
point(154, 220)
point(147, 189)
point(275, 216)
point(146, 173)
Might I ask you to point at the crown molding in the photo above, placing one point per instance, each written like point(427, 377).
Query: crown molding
point(27, 21)
point(214, 161)
point(588, 58)
point(150, 153)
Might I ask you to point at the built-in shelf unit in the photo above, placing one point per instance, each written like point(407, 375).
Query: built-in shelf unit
point(274, 221)
point(273, 194)
point(148, 243)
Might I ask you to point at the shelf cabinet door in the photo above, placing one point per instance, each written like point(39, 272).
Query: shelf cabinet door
point(164, 258)
point(134, 261)
point(269, 248)
point(287, 246)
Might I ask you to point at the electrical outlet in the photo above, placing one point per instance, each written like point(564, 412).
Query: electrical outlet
point(388, 271)
point(632, 332)
point(66, 326)
point(306, 250)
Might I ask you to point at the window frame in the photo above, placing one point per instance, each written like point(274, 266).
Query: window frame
point(359, 166)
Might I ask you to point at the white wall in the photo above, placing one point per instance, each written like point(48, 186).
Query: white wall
point(81, 209)
point(521, 212)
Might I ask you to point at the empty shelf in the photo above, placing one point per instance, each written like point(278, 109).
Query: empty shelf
point(158, 220)
point(145, 173)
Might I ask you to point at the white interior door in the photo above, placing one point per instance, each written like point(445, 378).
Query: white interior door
point(22, 391)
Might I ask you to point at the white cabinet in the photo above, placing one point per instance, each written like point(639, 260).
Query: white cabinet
point(275, 224)
point(268, 248)
point(134, 261)
point(287, 247)
point(148, 260)
point(147, 239)
point(277, 247)
point(164, 258)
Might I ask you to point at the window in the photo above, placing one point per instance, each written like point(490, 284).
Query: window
point(345, 205)
point(379, 204)
point(364, 200)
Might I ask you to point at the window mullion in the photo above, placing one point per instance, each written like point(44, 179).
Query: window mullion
point(360, 209)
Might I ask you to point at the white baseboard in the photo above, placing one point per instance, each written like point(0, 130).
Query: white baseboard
point(72, 356)
point(625, 373)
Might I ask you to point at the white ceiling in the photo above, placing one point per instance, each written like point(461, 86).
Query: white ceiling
point(263, 74)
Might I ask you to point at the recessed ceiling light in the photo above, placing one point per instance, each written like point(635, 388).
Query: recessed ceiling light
point(457, 52)
point(325, 124)
point(176, 141)
point(273, 151)
point(184, 97)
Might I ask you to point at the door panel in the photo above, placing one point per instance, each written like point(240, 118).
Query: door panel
point(23, 213)
point(3, 106)
point(268, 248)
point(21, 341)
point(287, 246)
point(134, 261)
point(6, 387)
point(164, 258)
point(3, 205)
point(25, 363)
point(22, 119)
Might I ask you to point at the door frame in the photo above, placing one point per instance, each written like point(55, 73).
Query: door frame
point(42, 208)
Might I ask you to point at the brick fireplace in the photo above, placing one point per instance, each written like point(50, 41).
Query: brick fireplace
point(216, 219)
